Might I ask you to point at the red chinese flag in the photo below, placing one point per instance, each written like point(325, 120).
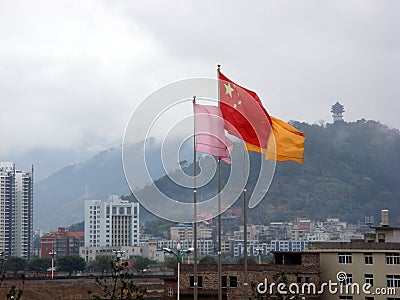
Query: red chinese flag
point(244, 115)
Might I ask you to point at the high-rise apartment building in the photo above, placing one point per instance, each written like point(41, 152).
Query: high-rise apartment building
point(16, 211)
point(114, 223)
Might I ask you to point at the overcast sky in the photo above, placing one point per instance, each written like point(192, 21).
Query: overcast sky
point(72, 72)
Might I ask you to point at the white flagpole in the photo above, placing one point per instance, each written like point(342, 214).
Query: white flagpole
point(219, 214)
point(194, 206)
point(245, 228)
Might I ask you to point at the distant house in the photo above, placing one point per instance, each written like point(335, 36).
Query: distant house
point(61, 243)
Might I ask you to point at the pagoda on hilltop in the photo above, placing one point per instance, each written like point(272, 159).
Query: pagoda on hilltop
point(337, 111)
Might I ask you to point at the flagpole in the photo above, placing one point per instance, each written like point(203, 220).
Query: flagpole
point(219, 215)
point(194, 206)
point(244, 228)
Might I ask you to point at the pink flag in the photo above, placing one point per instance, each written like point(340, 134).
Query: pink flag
point(210, 135)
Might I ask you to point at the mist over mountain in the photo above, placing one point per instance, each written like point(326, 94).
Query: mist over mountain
point(59, 198)
point(350, 170)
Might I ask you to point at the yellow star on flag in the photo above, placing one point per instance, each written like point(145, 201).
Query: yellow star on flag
point(228, 89)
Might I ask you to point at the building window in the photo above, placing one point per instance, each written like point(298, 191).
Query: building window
point(369, 298)
point(170, 292)
point(345, 258)
point(381, 237)
point(191, 284)
point(199, 281)
point(368, 258)
point(233, 281)
point(392, 258)
point(346, 297)
point(369, 278)
point(224, 282)
point(393, 281)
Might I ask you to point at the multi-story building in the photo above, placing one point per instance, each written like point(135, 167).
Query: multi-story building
point(180, 232)
point(7, 199)
point(204, 246)
point(113, 223)
point(16, 211)
point(254, 247)
point(126, 252)
point(375, 260)
point(61, 243)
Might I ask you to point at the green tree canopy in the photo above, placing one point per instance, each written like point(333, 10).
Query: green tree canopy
point(171, 262)
point(71, 263)
point(102, 264)
point(15, 264)
point(141, 263)
point(251, 260)
point(39, 265)
point(208, 259)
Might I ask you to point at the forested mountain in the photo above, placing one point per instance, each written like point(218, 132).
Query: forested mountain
point(350, 170)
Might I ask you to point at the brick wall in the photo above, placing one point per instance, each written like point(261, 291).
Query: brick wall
point(307, 271)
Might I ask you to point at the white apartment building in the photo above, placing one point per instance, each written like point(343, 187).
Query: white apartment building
point(16, 211)
point(111, 223)
point(180, 232)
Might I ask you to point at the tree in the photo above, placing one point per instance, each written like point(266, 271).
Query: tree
point(15, 292)
point(39, 265)
point(102, 264)
point(121, 287)
point(208, 259)
point(250, 260)
point(15, 264)
point(141, 263)
point(71, 263)
point(171, 262)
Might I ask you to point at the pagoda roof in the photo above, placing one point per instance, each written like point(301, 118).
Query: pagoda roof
point(337, 108)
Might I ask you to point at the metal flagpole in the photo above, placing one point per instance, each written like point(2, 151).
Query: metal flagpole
point(194, 206)
point(219, 234)
point(245, 228)
point(219, 215)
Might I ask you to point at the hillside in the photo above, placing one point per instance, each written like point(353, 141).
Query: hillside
point(350, 170)
point(59, 198)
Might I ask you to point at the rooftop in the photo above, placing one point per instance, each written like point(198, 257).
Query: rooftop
point(353, 245)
